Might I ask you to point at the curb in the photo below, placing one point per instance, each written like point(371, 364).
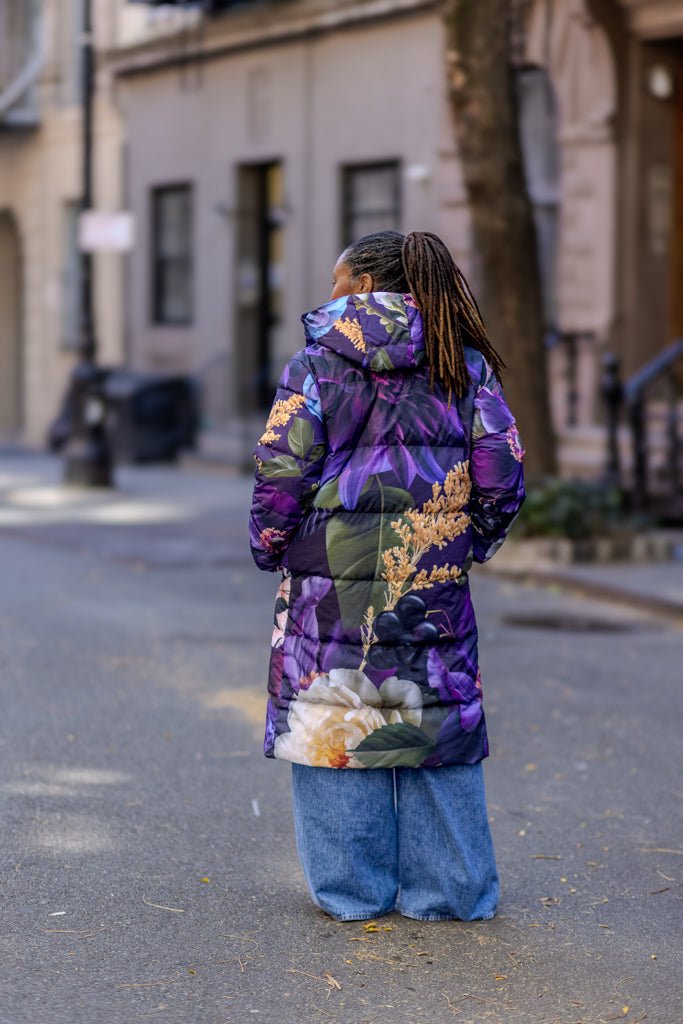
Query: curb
point(654, 545)
point(648, 603)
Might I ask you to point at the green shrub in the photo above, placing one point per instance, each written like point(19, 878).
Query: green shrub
point(577, 509)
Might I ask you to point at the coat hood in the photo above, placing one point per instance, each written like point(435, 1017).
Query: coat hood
point(381, 330)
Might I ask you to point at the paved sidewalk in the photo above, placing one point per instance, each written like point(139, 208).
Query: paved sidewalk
point(118, 521)
point(148, 868)
point(655, 588)
point(144, 519)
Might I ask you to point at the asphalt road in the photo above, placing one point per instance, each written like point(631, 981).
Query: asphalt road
point(148, 870)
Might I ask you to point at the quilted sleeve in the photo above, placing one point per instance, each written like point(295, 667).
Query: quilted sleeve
point(289, 459)
point(496, 469)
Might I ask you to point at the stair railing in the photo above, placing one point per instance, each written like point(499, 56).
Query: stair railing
point(633, 395)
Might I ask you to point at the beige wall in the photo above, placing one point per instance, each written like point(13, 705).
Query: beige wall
point(315, 104)
point(654, 19)
point(10, 327)
point(315, 84)
point(39, 176)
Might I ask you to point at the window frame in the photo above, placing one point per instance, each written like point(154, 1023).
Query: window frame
point(159, 262)
point(348, 214)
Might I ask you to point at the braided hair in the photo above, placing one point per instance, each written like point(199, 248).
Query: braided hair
point(421, 264)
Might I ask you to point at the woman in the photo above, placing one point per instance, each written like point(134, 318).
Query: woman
point(389, 462)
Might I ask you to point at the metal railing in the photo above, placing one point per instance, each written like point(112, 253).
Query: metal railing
point(656, 389)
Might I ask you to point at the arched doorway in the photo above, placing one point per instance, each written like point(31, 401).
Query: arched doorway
point(10, 328)
point(565, 40)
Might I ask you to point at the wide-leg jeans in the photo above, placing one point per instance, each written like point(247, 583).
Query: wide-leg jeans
point(412, 839)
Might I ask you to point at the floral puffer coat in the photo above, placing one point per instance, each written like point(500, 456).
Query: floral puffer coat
point(373, 495)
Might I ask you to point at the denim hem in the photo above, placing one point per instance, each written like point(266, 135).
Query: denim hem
point(443, 917)
point(358, 917)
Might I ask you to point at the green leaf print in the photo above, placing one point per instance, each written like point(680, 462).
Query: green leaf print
point(300, 437)
point(328, 495)
point(354, 551)
point(281, 465)
point(381, 360)
point(316, 453)
point(391, 746)
point(354, 554)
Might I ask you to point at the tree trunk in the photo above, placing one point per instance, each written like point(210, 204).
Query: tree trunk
point(484, 106)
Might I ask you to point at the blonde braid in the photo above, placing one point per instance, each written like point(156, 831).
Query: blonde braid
point(446, 302)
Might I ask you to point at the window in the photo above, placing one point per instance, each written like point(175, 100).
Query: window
point(371, 199)
point(69, 25)
point(21, 61)
point(539, 131)
point(260, 252)
point(172, 270)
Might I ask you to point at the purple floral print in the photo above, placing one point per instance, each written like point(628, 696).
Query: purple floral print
point(373, 495)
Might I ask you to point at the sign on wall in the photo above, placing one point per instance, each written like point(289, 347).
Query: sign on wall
point(110, 231)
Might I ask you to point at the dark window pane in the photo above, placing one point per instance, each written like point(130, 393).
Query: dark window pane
point(371, 200)
point(260, 281)
point(172, 250)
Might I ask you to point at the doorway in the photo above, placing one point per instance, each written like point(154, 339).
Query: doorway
point(658, 266)
point(10, 328)
point(259, 282)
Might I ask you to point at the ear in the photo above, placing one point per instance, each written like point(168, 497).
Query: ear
point(365, 284)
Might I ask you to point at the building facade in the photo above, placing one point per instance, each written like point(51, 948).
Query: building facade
point(273, 134)
point(40, 188)
point(259, 143)
point(253, 145)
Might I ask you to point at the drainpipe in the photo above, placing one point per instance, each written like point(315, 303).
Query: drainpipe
point(87, 456)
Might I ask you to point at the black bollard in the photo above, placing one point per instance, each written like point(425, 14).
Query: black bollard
point(613, 396)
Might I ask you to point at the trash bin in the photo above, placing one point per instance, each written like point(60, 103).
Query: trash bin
point(150, 418)
point(61, 429)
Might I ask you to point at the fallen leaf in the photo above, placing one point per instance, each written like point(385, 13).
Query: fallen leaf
point(332, 982)
point(160, 906)
point(70, 931)
point(191, 971)
point(244, 938)
point(206, 879)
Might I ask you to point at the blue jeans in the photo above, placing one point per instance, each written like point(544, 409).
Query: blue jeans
point(412, 839)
